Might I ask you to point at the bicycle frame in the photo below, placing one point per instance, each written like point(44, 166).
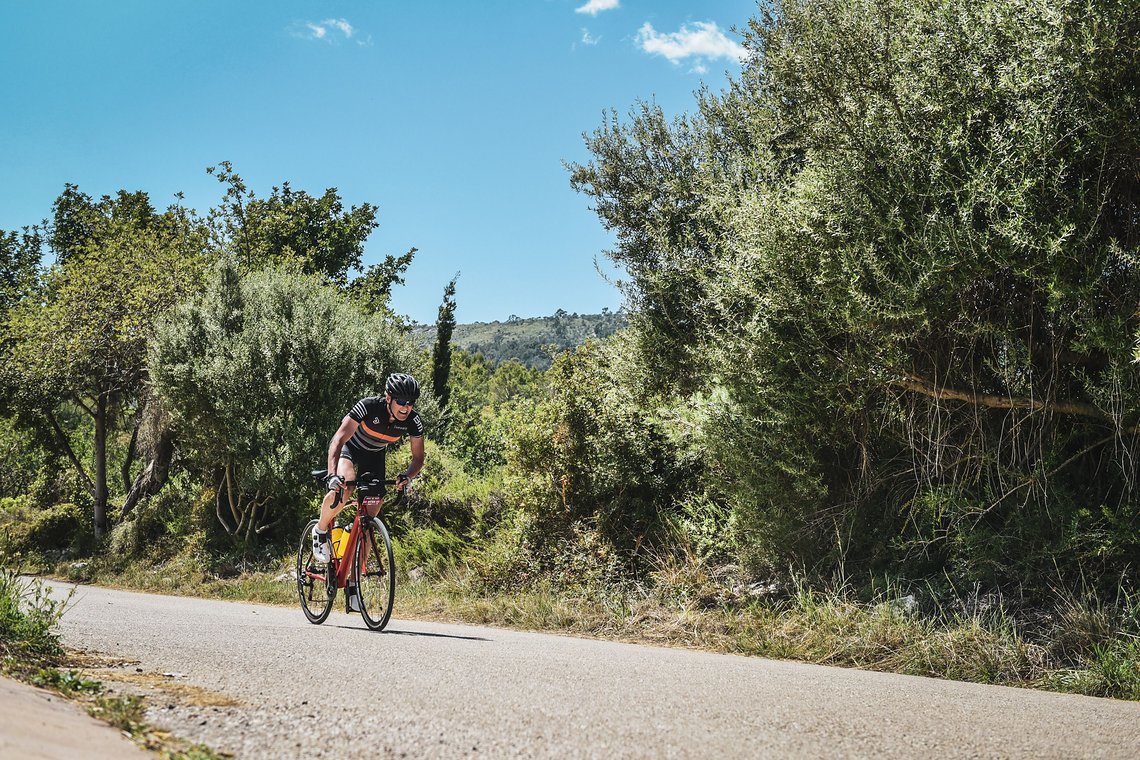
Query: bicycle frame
point(342, 567)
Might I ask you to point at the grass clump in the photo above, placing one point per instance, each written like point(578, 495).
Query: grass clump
point(28, 617)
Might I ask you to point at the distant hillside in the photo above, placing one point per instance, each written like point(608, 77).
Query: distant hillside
point(527, 339)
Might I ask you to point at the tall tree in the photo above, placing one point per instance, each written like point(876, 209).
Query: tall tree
point(84, 340)
point(441, 353)
point(290, 228)
point(902, 247)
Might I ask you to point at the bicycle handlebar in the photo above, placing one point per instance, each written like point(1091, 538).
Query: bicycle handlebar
point(364, 482)
point(364, 479)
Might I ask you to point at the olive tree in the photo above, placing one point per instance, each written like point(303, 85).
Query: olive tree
point(257, 375)
point(901, 250)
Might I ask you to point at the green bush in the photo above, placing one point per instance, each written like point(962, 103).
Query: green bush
point(58, 527)
point(597, 451)
point(257, 375)
point(31, 530)
point(432, 549)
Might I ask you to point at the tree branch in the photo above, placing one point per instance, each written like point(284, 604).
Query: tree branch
point(1038, 477)
point(79, 402)
point(62, 439)
point(927, 388)
point(218, 496)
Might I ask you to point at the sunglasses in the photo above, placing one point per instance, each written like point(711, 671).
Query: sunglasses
point(402, 402)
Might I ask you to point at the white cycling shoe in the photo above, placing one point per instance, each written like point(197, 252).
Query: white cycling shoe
point(321, 548)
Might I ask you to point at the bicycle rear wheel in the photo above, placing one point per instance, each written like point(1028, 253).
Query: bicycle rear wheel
point(375, 575)
point(315, 585)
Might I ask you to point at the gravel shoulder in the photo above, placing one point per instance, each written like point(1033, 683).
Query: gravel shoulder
point(258, 681)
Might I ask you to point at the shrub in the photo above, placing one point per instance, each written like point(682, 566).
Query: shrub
point(31, 530)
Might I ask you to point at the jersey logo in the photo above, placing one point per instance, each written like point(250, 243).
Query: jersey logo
point(375, 420)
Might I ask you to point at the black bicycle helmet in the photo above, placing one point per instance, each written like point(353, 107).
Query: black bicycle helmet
point(402, 386)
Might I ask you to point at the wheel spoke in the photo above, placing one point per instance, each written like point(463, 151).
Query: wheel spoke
point(375, 576)
point(313, 588)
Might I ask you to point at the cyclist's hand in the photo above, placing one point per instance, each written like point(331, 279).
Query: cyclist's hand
point(335, 482)
point(402, 481)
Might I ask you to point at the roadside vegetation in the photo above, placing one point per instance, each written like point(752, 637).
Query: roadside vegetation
point(31, 651)
point(876, 404)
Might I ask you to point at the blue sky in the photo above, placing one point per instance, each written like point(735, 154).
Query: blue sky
point(453, 117)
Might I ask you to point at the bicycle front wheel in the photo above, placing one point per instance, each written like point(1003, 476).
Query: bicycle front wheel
point(315, 588)
point(375, 575)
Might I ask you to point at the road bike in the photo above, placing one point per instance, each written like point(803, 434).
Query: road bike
point(361, 558)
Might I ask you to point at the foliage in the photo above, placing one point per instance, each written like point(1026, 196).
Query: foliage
point(373, 289)
point(88, 336)
point(291, 228)
point(898, 257)
point(257, 374)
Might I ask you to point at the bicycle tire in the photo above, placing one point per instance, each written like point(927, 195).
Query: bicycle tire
point(316, 596)
point(376, 585)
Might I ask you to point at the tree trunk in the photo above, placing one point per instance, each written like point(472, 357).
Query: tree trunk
point(132, 452)
point(154, 475)
point(101, 464)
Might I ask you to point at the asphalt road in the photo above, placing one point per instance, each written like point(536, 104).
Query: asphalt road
point(261, 682)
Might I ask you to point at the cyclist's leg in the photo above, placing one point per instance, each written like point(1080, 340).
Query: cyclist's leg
point(346, 469)
point(376, 465)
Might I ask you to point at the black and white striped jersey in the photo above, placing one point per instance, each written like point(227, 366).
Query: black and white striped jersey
point(377, 431)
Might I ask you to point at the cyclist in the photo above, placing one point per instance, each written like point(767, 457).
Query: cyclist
point(371, 426)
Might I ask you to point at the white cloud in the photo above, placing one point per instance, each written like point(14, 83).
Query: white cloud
point(594, 7)
point(342, 25)
point(589, 39)
point(329, 30)
point(703, 41)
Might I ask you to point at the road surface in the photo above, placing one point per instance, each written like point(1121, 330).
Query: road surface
point(261, 682)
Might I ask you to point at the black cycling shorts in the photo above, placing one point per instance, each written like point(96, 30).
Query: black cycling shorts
point(366, 462)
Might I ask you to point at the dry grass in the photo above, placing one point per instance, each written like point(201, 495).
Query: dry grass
point(685, 604)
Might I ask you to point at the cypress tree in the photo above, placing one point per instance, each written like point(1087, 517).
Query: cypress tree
point(441, 354)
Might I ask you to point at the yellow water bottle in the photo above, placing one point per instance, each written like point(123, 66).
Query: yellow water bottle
point(339, 541)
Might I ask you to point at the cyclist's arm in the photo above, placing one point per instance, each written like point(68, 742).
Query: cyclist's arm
point(346, 430)
point(417, 462)
point(414, 467)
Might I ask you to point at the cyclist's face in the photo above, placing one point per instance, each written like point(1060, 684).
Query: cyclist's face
point(398, 410)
